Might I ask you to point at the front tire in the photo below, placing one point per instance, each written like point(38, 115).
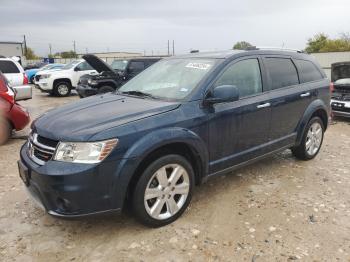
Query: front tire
point(312, 140)
point(163, 191)
point(62, 88)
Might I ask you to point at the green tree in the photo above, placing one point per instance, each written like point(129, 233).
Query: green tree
point(30, 55)
point(322, 43)
point(242, 45)
point(68, 54)
point(315, 44)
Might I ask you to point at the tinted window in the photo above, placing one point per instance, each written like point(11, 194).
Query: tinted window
point(137, 66)
point(308, 71)
point(282, 72)
point(84, 66)
point(8, 67)
point(245, 75)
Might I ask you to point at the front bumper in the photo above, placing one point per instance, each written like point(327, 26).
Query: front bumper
point(70, 189)
point(44, 85)
point(340, 108)
point(85, 90)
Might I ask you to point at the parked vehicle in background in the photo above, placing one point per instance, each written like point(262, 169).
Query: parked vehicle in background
point(34, 65)
point(111, 77)
point(31, 72)
point(12, 115)
point(13, 72)
point(60, 82)
point(176, 124)
point(340, 76)
point(16, 77)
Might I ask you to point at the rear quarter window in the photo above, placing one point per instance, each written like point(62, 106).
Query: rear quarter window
point(308, 72)
point(8, 67)
point(282, 72)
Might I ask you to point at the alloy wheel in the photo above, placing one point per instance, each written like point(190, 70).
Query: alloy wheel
point(63, 89)
point(314, 139)
point(167, 191)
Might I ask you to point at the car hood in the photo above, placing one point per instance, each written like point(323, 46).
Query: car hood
point(79, 121)
point(98, 64)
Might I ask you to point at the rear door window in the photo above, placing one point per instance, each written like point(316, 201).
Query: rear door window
point(282, 72)
point(308, 72)
point(8, 67)
point(245, 75)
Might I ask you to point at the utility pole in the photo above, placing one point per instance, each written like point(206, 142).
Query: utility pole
point(168, 47)
point(173, 47)
point(50, 48)
point(74, 48)
point(25, 46)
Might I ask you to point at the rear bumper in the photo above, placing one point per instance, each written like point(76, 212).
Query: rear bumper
point(23, 92)
point(85, 91)
point(19, 117)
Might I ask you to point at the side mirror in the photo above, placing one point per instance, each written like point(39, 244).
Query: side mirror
point(76, 68)
point(221, 94)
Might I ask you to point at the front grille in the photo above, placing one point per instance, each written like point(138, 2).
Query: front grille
point(41, 149)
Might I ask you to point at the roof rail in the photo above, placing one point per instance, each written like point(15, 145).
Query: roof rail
point(274, 48)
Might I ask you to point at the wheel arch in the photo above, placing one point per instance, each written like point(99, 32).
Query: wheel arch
point(152, 146)
point(316, 108)
point(62, 80)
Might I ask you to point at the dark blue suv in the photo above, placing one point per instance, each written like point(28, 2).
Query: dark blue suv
point(180, 121)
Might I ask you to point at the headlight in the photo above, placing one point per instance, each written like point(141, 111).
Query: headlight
point(45, 76)
point(92, 82)
point(80, 152)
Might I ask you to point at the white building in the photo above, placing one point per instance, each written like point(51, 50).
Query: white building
point(328, 58)
point(9, 49)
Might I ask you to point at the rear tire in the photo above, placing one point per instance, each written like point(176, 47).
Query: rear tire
point(105, 89)
point(311, 141)
point(5, 130)
point(163, 191)
point(62, 88)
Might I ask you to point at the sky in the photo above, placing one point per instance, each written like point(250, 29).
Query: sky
point(146, 25)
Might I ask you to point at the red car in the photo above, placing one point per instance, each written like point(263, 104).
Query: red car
point(12, 115)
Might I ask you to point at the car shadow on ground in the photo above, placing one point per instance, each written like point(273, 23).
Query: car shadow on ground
point(209, 191)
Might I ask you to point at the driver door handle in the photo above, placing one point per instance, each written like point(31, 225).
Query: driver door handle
point(263, 105)
point(305, 94)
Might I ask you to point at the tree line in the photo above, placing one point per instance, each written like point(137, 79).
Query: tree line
point(317, 44)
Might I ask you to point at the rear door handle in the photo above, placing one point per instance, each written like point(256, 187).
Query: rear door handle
point(263, 105)
point(305, 94)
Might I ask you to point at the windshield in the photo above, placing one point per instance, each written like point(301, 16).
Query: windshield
point(71, 64)
point(170, 79)
point(119, 64)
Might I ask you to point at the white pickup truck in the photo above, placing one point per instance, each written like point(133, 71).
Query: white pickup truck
point(61, 82)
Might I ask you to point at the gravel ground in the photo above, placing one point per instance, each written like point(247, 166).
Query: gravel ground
point(279, 209)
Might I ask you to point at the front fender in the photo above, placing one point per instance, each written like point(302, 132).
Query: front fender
point(312, 108)
point(147, 144)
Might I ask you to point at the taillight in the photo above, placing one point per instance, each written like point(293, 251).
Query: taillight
point(25, 79)
point(3, 85)
point(331, 87)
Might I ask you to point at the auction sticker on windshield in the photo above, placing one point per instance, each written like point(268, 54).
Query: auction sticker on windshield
point(201, 66)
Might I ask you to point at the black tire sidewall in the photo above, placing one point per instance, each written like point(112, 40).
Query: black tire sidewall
point(139, 190)
point(303, 143)
point(60, 83)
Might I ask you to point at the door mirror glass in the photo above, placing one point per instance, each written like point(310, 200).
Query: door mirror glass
point(77, 68)
point(224, 93)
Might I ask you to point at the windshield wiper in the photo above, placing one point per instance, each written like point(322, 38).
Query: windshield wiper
point(138, 93)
